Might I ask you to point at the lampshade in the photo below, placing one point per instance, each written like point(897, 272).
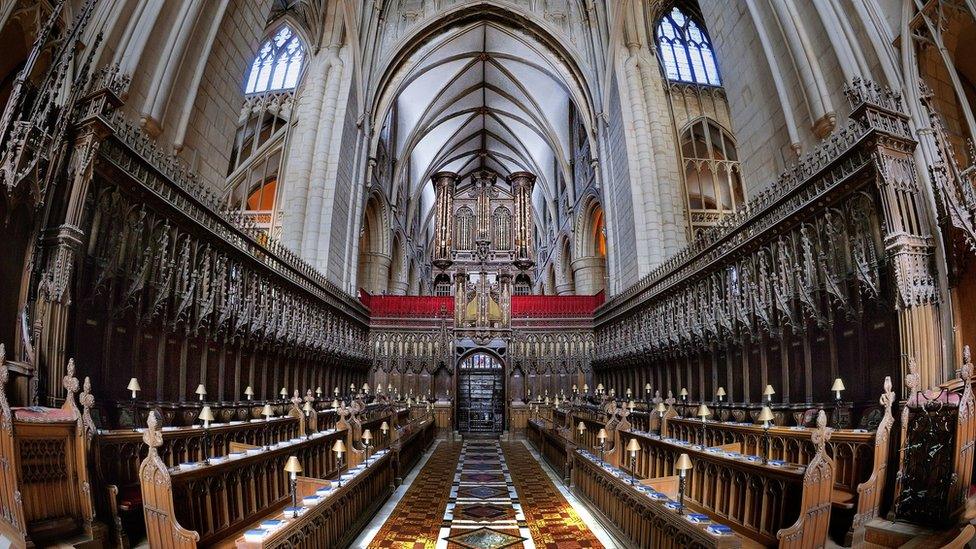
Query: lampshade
point(318, 391)
point(206, 414)
point(335, 391)
point(633, 446)
point(703, 411)
point(575, 388)
point(720, 392)
point(308, 407)
point(599, 387)
point(586, 388)
point(339, 447)
point(367, 435)
point(201, 390)
point(684, 392)
point(766, 414)
point(283, 392)
point(293, 465)
point(385, 427)
point(267, 412)
point(661, 407)
point(581, 427)
point(335, 403)
point(249, 391)
point(365, 386)
point(647, 387)
point(837, 386)
point(684, 463)
point(769, 391)
point(632, 405)
point(629, 392)
point(602, 435)
point(134, 385)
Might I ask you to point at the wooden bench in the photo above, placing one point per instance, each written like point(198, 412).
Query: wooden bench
point(860, 457)
point(117, 455)
point(335, 520)
point(787, 505)
point(555, 448)
point(215, 502)
point(644, 521)
point(412, 441)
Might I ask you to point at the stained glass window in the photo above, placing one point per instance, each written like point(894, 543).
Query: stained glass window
point(686, 50)
point(278, 63)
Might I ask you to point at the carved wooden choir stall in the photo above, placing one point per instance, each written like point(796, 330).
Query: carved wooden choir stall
point(754, 483)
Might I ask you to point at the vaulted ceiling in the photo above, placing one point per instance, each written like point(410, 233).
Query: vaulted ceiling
point(483, 96)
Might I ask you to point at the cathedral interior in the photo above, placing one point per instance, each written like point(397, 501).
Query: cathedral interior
point(486, 274)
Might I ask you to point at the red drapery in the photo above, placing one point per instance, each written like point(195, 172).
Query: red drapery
point(544, 306)
point(407, 305)
point(523, 306)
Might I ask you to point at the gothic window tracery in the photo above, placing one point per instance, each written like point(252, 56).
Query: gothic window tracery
point(686, 50)
point(464, 228)
point(278, 63)
point(502, 226)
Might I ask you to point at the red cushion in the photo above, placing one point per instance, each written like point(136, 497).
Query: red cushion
point(130, 498)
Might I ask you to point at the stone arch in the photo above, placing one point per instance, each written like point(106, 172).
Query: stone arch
point(397, 283)
point(374, 246)
point(566, 279)
point(396, 70)
point(590, 260)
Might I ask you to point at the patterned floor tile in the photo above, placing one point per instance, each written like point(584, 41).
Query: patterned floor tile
point(485, 538)
point(551, 519)
point(416, 520)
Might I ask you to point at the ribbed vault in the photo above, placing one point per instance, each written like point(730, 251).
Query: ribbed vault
point(482, 96)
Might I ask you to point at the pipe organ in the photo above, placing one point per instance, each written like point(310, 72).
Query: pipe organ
point(482, 224)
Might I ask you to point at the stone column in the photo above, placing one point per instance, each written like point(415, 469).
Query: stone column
point(589, 273)
point(376, 271)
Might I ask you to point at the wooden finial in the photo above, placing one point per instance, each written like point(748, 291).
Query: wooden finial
point(6, 419)
point(967, 364)
point(821, 434)
point(70, 384)
point(912, 380)
point(87, 400)
point(153, 437)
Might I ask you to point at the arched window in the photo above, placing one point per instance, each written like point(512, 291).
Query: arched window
point(685, 50)
point(502, 224)
point(711, 172)
point(442, 285)
point(464, 228)
point(278, 63)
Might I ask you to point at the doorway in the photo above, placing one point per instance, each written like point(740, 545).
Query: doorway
point(481, 394)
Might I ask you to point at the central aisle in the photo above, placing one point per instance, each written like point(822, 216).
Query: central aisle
point(483, 495)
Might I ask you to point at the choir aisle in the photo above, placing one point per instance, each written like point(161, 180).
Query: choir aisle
point(482, 494)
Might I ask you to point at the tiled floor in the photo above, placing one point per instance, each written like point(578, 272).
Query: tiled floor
point(483, 495)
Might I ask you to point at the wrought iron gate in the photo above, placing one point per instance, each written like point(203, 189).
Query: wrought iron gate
point(481, 394)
